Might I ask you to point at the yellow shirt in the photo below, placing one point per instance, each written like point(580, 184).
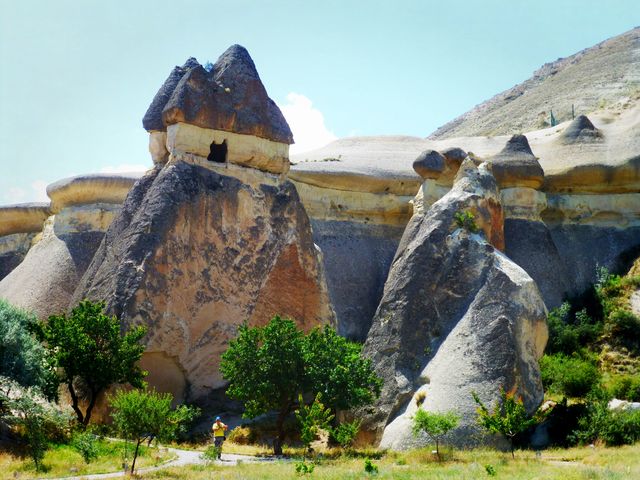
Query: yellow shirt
point(218, 429)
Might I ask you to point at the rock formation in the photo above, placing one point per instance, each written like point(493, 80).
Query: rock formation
point(19, 224)
point(81, 210)
point(456, 316)
point(203, 245)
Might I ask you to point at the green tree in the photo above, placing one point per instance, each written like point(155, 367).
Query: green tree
point(22, 356)
point(509, 417)
point(140, 415)
point(334, 367)
point(268, 367)
point(434, 424)
point(265, 370)
point(91, 353)
point(312, 418)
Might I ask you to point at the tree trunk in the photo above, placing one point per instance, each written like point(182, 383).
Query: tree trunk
point(279, 440)
point(92, 403)
point(74, 403)
point(135, 455)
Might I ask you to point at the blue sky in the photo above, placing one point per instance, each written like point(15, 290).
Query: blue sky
point(77, 76)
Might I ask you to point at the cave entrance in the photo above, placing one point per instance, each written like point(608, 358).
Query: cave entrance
point(218, 152)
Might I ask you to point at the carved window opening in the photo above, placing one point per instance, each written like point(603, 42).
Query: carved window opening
point(218, 152)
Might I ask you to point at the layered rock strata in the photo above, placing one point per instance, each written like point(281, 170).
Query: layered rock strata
point(81, 210)
point(19, 224)
point(456, 316)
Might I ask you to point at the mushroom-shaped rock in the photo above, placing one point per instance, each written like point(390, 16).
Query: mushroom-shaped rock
point(429, 164)
point(83, 208)
point(91, 189)
point(23, 218)
point(580, 130)
point(516, 165)
point(230, 97)
point(456, 316)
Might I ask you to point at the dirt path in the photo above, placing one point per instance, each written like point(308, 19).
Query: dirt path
point(183, 457)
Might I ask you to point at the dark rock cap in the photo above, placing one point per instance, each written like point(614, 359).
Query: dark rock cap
point(580, 130)
point(231, 97)
point(152, 120)
point(454, 155)
point(516, 165)
point(429, 164)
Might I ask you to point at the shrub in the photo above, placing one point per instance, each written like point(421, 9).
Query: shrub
point(312, 418)
point(304, 468)
point(345, 433)
point(613, 427)
point(85, 443)
point(625, 387)
point(569, 331)
point(211, 454)
point(570, 376)
point(434, 424)
point(370, 468)
point(623, 328)
point(466, 220)
point(241, 435)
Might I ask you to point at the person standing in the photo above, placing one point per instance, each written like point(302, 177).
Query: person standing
point(219, 435)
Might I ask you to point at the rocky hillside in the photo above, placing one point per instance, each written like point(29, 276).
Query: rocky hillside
point(591, 79)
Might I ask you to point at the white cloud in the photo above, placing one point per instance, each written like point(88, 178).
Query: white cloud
point(307, 124)
point(36, 192)
point(125, 168)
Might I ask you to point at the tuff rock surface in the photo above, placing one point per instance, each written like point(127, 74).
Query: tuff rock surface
point(456, 316)
point(194, 254)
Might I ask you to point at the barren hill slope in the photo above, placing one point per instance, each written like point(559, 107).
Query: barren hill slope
point(590, 80)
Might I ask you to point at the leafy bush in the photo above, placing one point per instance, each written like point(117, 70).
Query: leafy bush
point(625, 387)
point(466, 220)
point(613, 427)
point(86, 445)
point(623, 329)
point(370, 468)
point(22, 356)
point(572, 376)
point(304, 468)
point(211, 454)
point(570, 331)
point(312, 418)
point(345, 433)
point(434, 424)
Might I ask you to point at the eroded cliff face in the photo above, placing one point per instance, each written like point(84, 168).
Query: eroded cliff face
point(196, 252)
point(456, 316)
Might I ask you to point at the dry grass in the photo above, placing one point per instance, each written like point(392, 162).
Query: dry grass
point(64, 461)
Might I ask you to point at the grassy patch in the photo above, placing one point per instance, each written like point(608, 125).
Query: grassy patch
point(571, 464)
point(64, 461)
